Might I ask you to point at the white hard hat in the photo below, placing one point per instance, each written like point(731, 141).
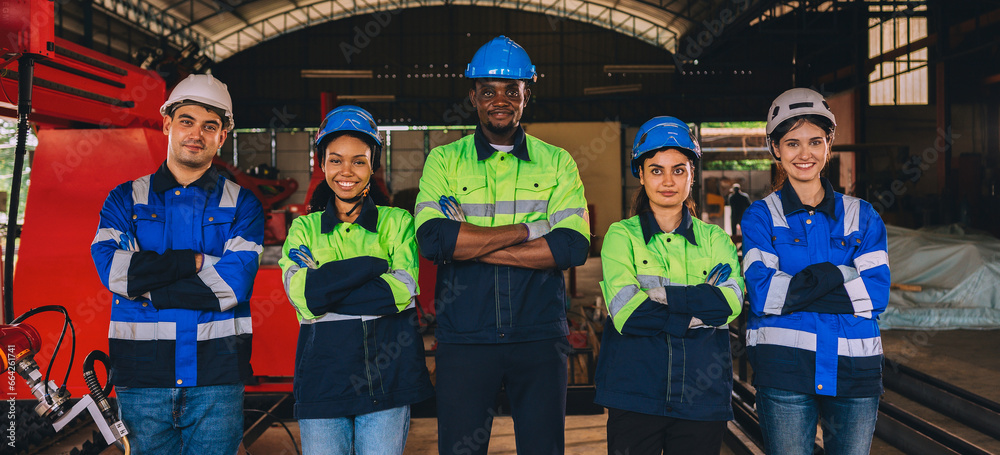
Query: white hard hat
point(796, 103)
point(205, 89)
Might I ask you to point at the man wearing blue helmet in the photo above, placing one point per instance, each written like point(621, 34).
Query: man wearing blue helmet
point(502, 214)
point(350, 271)
point(672, 284)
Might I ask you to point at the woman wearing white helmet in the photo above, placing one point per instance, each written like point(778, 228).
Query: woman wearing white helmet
point(350, 270)
point(817, 278)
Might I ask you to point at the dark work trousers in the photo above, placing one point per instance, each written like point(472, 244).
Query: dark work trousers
point(469, 377)
point(633, 433)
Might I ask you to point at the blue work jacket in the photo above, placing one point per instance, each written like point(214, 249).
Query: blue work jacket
point(173, 325)
point(817, 279)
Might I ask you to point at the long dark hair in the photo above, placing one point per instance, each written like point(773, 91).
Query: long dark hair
point(322, 194)
point(790, 124)
point(640, 201)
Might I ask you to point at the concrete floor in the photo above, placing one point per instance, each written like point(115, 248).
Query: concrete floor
point(965, 358)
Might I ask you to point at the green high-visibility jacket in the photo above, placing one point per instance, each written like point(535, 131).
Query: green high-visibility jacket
point(651, 361)
point(484, 303)
point(358, 349)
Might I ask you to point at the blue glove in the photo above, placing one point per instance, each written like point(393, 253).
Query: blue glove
point(719, 274)
point(303, 257)
point(451, 208)
point(127, 242)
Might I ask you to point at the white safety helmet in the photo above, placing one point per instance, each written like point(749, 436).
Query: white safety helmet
point(205, 89)
point(795, 103)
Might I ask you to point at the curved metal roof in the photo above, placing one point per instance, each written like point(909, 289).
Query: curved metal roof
point(222, 28)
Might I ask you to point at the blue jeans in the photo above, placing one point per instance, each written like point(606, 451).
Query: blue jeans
point(788, 422)
point(375, 433)
point(205, 420)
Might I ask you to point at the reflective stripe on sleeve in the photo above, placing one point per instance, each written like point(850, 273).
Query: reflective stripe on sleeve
point(732, 284)
point(621, 299)
point(230, 194)
point(140, 190)
point(104, 234)
point(852, 214)
point(404, 277)
point(118, 273)
point(858, 293)
point(871, 260)
point(777, 212)
point(426, 205)
point(241, 244)
point(769, 260)
point(777, 293)
point(142, 331)
point(566, 213)
point(221, 289)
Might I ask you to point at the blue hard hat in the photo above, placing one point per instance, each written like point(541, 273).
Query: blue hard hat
point(501, 58)
point(350, 118)
point(663, 132)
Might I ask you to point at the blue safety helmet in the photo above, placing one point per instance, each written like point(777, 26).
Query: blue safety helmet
point(663, 132)
point(501, 58)
point(350, 118)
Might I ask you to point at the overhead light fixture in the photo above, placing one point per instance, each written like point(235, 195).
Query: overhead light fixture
point(609, 89)
point(368, 98)
point(337, 74)
point(639, 68)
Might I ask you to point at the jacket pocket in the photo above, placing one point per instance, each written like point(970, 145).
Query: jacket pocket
point(464, 186)
point(793, 252)
point(532, 194)
point(216, 226)
point(149, 226)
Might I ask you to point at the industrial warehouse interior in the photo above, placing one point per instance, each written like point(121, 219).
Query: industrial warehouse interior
point(914, 87)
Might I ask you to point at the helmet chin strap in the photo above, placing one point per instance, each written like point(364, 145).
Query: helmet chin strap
point(356, 200)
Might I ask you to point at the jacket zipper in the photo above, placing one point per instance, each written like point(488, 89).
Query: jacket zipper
point(670, 366)
point(364, 329)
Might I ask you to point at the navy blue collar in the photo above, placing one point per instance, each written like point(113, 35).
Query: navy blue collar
point(484, 150)
point(650, 227)
point(164, 180)
point(367, 218)
point(791, 203)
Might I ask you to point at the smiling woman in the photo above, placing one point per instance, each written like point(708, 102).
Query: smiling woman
point(817, 277)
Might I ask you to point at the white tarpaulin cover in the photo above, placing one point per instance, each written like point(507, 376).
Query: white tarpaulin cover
point(959, 272)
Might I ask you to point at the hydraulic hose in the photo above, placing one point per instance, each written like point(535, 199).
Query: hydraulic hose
point(99, 394)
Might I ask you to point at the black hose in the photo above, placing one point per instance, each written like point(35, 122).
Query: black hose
point(97, 393)
point(72, 353)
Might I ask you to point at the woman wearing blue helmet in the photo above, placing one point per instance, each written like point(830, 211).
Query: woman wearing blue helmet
point(350, 271)
point(672, 284)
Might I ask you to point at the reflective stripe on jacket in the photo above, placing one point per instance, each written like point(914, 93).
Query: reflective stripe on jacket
point(483, 303)
point(172, 325)
point(650, 361)
point(816, 282)
point(358, 349)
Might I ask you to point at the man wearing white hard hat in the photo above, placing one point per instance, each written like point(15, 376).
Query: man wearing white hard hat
point(179, 251)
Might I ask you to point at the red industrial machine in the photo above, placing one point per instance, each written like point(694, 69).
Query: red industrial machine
point(98, 125)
